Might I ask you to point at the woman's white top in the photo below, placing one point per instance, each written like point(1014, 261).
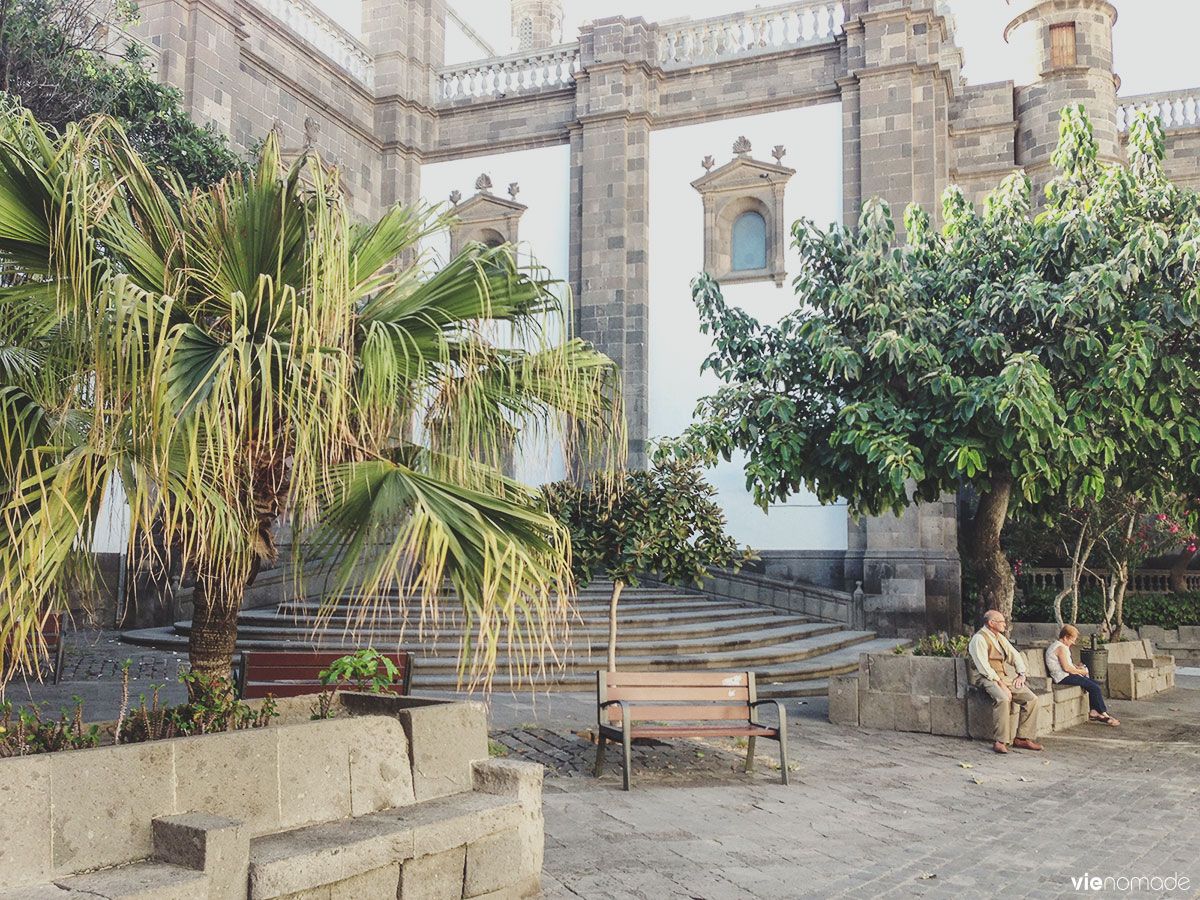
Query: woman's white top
point(1053, 667)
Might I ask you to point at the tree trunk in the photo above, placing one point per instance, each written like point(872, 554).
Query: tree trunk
point(1179, 568)
point(994, 575)
point(214, 630)
point(618, 585)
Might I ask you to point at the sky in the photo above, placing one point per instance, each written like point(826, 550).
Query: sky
point(1154, 40)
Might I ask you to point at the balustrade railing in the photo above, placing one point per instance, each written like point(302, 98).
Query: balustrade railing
point(1175, 109)
point(1143, 581)
point(749, 33)
point(309, 23)
point(549, 69)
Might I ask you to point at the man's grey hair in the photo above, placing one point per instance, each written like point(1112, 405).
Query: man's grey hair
point(992, 615)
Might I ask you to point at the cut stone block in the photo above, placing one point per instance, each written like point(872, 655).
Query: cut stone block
point(493, 862)
point(933, 676)
point(140, 881)
point(891, 673)
point(878, 710)
point(25, 825)
point(235, 774)
point(521, 781)
point(912, 713)
point(380, 773)
point(979, 716)
point(948, 715)
point(843, 700)
point(378, 884)
point(314, 772)
point(85, 820)
point(214, 845)
point(438, 876)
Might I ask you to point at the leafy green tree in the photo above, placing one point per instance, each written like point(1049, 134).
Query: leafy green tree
point(661, 520)
point(1023, 356)
point(249, 353)
point(67, 60)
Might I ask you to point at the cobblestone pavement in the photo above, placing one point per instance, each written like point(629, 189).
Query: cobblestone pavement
point(881, 814)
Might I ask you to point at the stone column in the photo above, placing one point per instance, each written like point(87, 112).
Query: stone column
point(902, 69)
point(610, 188)
point(199, 43)
point(407, 39)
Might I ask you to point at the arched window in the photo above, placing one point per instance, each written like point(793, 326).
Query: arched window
point(748, 244)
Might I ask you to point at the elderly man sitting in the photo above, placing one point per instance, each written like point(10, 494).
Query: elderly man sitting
point(1000, 670)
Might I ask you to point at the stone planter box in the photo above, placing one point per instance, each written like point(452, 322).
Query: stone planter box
point(933, 695)
point(394, 798)
point(1136, 671)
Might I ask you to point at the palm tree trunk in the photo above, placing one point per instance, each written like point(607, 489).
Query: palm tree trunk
point(618, 585)
point(214, 629)
point(993, 572)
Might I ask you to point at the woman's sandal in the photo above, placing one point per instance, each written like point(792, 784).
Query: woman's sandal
point(1104, 719)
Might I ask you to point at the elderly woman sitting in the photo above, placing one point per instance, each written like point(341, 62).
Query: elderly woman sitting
point(1062, 671)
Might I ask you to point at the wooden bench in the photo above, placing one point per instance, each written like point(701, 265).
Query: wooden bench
point(52, 629)
point(290, 673)
point(682, 704)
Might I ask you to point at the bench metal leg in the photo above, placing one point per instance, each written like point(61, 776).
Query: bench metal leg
point(783, 760)
point(750, 753)
point(58, 659)
point(627, 748)
point(598, 768)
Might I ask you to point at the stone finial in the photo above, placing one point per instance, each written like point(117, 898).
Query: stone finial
point(483, 183)
point(708, 162)
point(741, 146)
point(779, 152)
point(311, 129)
point(455, 196)
point(513, 190)
point(277, 128)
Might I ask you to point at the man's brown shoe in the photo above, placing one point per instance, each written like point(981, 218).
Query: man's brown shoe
point(1026, 744)
point(1000, 747)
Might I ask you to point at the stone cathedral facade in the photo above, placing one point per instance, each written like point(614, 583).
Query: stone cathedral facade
point(642, 152)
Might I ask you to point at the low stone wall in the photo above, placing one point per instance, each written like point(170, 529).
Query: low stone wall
point(933, 695)
point(394, 798)
point(1183, 642)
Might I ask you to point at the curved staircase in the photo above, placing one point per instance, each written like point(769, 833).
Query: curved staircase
point(658, 628)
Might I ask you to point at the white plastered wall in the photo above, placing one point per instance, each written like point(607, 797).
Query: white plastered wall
point(813, 138)
point(542, 175)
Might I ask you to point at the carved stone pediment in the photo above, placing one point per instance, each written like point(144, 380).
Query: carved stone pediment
point(744, 185)
point(485, 218)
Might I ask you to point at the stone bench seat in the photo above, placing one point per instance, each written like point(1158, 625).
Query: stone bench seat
point(388, 845)
point(1136, 671)
point(137, 881)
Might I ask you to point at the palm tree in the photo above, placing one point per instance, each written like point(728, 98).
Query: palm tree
point(248, 354)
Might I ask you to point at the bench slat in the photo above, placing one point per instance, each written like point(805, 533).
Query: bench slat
point(697, 730)
point(679, 679)
point(725, 694)
point(289, 674)
point(681, 713)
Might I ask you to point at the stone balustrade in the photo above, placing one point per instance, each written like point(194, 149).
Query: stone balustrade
point(309, 23)
point(549, 69)
point(749, 33)
point(1176, 109)
point(1143, 581)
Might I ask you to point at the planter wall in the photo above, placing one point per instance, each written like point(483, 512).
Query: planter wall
point(392, 792)
point(933, 695)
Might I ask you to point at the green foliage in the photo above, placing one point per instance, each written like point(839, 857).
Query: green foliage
point(24, 732)
point(662, 520)
point(1037, 356)
point(368, 671)
point(1163, 610)
point(65, 65)
point(213, 708)
point(938, 645)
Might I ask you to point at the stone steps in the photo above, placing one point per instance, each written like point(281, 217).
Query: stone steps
point(658, 630)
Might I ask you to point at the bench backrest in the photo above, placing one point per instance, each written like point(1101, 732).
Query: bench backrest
point(677, 696)
point(290, 673)
point(1126, 651)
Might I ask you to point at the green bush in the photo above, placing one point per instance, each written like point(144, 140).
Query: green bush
point(939, 645)
point(1163, 610)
